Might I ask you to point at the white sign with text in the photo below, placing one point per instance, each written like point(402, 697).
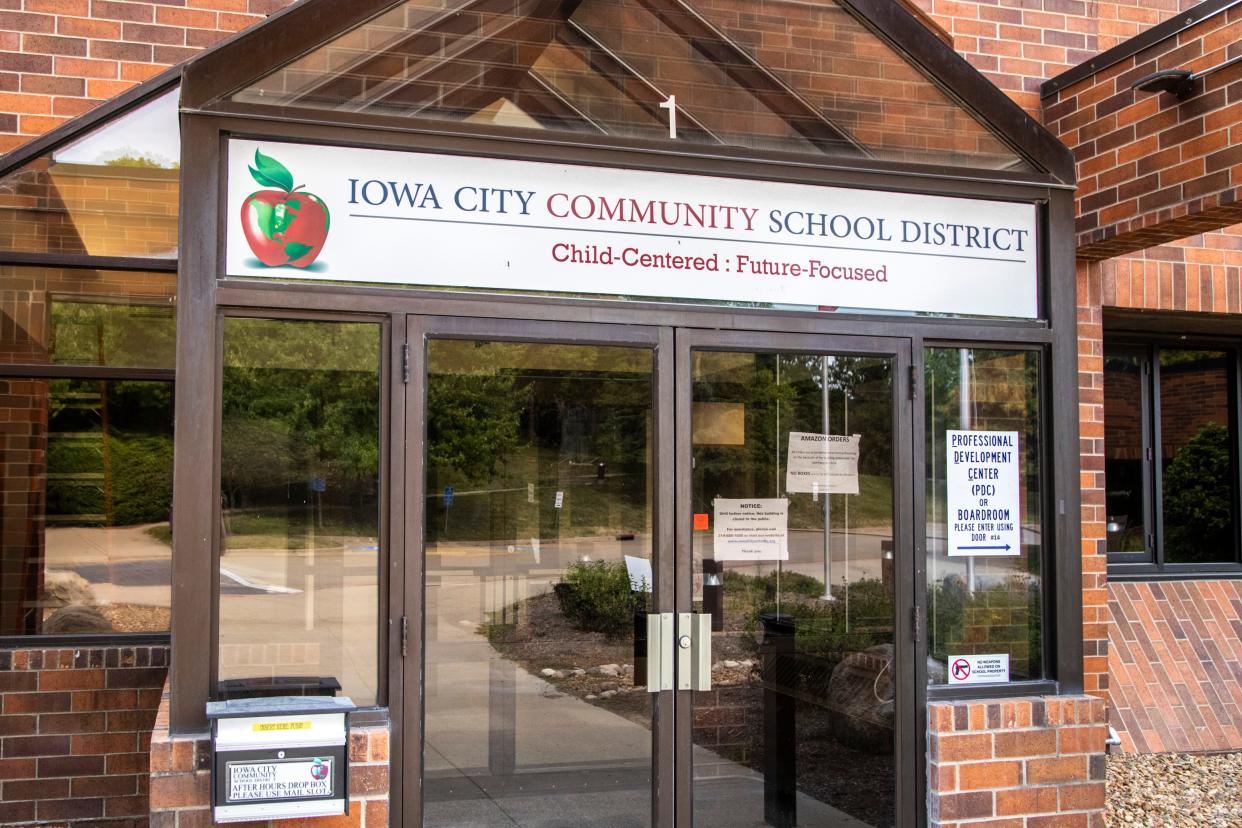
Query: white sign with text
point(822, 463)
point(984, 493)
point(383, 216)
point(280, 779)
point(751, 530)
point(979, 669)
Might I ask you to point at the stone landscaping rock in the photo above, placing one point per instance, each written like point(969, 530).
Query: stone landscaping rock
point(1174, 790)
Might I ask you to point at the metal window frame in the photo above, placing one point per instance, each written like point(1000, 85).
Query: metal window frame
point(385, 559)
point(1152, 566)
point(1147, 556)
point(51, 371)
point(1052, 670)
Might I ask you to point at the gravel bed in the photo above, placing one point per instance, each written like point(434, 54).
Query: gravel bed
point(1175, 789)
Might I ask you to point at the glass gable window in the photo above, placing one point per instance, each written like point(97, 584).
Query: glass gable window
point(1171, 457)
point(804, 77)
point(112, 192)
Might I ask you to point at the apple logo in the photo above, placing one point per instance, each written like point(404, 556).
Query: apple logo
point(283, 226)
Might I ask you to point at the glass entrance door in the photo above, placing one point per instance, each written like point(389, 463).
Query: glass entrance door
point(790, 499)
point(595, 505)
point(546, 530)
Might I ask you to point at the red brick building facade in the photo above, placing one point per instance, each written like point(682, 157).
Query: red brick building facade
point(1157, 201)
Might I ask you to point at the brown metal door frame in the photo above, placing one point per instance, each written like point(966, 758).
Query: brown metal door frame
point(419, 331)
point(907, 740)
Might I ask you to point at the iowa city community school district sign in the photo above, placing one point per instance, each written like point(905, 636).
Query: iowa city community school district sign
point(363, 215)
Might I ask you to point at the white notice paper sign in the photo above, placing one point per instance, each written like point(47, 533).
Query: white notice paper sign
point(751, 530)
point(979, 669)
point(822, 463)
point(983, 493)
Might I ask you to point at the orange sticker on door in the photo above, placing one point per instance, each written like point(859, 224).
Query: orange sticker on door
point(700, 521)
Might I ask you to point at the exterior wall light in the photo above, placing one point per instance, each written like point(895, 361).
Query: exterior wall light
point(1181, 82)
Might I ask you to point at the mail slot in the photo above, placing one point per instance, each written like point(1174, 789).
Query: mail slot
point(280, 757)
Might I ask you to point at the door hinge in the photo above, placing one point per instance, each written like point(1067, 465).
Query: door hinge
point(405, 362)
point(405, 635)
point(914, 384)
point(916, 626)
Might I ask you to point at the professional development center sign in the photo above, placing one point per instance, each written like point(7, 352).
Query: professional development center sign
point(363, 215)
point(984, 490)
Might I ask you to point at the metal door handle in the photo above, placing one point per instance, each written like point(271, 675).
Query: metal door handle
point(694, 651)
point(685, 632)
point(701, 654)
point(660, 643)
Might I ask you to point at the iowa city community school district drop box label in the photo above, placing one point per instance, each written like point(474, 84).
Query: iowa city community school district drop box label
point(280, 757)
point(983, 493)
point(382, 216)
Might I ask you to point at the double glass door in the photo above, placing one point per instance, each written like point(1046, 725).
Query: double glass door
point(659, 578)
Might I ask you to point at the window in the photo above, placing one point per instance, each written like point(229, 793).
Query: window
point(605, 67)
point(111, 192)
point(983, 597)
point(1171, 457)
point(85, 450)
point(87, 359)
point(299, 509)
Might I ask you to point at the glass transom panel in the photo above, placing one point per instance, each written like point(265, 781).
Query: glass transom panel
point(763, 74)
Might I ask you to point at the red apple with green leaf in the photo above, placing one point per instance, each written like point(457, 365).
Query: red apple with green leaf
point(284, 226)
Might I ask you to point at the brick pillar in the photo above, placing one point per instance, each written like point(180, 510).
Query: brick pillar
point(1016, 763)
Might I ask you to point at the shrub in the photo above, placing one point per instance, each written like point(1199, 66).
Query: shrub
point(1198, 496)
point(596, 597)
point(791, 583)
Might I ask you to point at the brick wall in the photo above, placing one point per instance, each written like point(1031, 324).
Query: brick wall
point(1173, 656)
point(74, 732)
point(59, 58)
point(181, 781)
point(1202, 273)
point(1018, 763)
point(1091, 479)
point(1020, 45)
point(1152, 169)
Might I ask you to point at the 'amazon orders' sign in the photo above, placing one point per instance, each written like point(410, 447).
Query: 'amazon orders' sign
point(378, 216)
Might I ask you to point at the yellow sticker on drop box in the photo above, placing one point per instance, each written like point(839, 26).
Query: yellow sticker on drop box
point(269, 727)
